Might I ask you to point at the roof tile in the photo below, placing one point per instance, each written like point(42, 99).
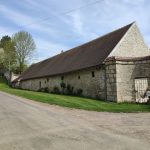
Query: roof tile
point(87, 55)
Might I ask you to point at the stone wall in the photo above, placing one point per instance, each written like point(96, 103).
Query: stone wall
point(115, 81)
point(131, 45)
point(91, 86)
point(111, 87)
point(120, 77)
point(126, 73)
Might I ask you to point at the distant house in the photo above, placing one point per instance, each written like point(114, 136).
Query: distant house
point(114, 67)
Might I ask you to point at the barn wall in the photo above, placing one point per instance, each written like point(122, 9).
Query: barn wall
point(91, 86)
point(131, 45)
point(113, 82)
point(126, 72)
point(111, 86)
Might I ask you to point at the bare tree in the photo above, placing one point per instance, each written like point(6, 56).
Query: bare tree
point(25, 47)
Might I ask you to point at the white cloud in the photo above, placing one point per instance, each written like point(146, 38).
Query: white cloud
point(68, 30)
point(24, 21)
point(77, 23)
point(15, 15)
point(46, 49)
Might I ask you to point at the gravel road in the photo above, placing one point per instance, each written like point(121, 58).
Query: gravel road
point(30, 125)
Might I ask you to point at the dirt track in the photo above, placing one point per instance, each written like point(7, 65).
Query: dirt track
point(29, 125)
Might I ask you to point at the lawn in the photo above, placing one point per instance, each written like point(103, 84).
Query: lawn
point(74, 102)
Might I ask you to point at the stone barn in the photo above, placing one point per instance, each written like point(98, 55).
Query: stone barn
point(114, 67)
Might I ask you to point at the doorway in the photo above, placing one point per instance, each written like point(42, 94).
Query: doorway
point(141, 86)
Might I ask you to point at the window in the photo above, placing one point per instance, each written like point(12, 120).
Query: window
point(62, 77)
point(78, 77)
point(93, 74)
point(45, 82)
point(47, 79)
point(40, 84)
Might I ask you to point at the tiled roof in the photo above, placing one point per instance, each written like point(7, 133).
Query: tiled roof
point(87, 55)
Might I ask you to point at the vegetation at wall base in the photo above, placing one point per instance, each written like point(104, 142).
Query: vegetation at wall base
point(74, 102)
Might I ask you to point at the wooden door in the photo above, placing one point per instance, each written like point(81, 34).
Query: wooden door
point(141, 86)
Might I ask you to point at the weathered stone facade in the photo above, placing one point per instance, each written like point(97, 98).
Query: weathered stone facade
point(113, 79)
point(131, 45)
point(111, 86)
point(92, 86)
point(121, 75)
point(127, 72)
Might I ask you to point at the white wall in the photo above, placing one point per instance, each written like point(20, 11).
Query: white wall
point(131, 45)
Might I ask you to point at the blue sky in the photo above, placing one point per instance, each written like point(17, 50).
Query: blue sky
point(54, 27)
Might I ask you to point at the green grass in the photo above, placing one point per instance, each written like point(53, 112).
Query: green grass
point(74, 102)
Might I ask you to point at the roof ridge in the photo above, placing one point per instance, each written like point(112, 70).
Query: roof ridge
point(87, 42)
point(90, 54)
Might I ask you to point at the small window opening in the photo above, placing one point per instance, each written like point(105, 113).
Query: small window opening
point(47, 79)
point(78, 77)
point(40, 84)
point(93, 74)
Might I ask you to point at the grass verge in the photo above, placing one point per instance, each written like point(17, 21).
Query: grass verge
point(75, 102)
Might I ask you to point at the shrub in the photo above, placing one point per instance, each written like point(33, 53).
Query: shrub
point(41, 90)
point(70, 89)
point(79, 92)
point(56, 90)
point(46, 90)
point(63, 86)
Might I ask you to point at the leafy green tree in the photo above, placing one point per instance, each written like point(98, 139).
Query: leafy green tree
point(8, 53)
point(1, 58)
point(25, 47)
point(4, 41)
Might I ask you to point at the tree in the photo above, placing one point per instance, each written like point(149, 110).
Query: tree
point(4, 41)
point(1, 58)
point(8, 53)
point(25, 47)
